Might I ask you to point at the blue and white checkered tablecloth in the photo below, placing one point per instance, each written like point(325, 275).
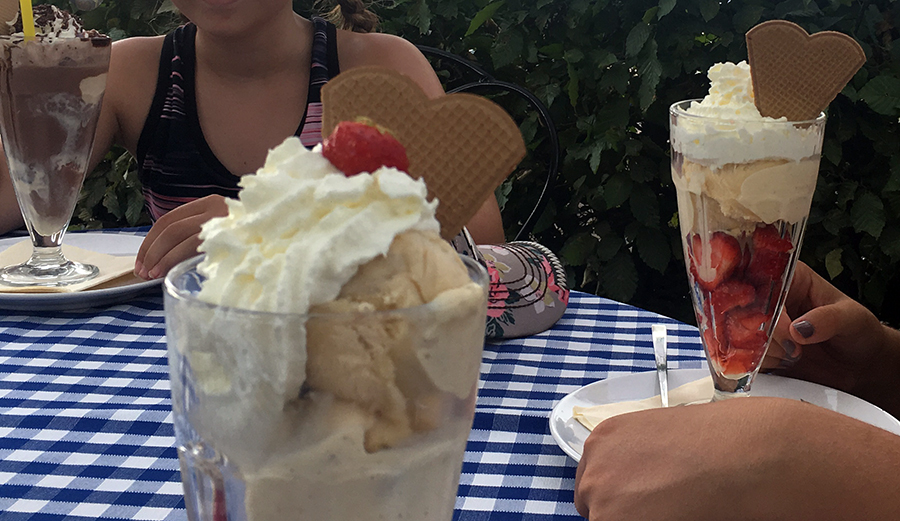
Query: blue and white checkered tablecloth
point(86, 428)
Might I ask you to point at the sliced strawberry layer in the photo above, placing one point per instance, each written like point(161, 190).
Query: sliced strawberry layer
point(732, 294)
point(713, 263)
point(767, 267)
point(712, 345)
point(769, 238)
point(739, 361)
point(771, 254)
point(738, 291)
point(745, 329)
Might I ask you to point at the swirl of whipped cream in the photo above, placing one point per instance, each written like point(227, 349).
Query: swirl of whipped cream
point(727, 128)
point(50, 23)
point(301, 229)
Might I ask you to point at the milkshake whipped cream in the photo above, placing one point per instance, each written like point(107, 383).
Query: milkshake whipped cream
point(326, 365)
point(744, 185)
point(51, 90)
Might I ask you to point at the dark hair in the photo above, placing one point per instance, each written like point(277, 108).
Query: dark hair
point(352, 15)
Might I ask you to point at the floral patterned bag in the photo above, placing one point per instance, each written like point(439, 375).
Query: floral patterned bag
point(528, 290)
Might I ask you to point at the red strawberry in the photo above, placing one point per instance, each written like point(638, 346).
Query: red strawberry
point(360, 146)
point(767, 296)
point(732, 294)
point(746, 330)
point(767, 267)
point(768, 238)
point(771, 254)
point(711, 268)
point(747, 254)
point(220, 512)
point(740, 361)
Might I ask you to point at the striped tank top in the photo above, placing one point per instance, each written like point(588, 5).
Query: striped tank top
point(175, 163)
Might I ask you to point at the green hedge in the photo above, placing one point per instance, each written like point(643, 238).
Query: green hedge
point(608, 70)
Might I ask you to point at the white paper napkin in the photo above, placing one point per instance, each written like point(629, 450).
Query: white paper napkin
point(113, 269)
point(696, 391)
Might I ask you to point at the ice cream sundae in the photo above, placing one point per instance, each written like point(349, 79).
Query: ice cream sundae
point(744, 184)
point(742, 210)
point(327, 366)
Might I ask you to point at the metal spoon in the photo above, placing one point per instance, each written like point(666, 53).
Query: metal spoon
point(659, 352)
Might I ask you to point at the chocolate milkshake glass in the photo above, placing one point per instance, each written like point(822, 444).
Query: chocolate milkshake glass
point(744, 189)
point(50, 96)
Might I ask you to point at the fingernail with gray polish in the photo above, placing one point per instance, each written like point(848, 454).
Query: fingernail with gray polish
point(805, 329)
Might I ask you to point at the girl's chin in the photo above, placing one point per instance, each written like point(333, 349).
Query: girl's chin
point(219, 3)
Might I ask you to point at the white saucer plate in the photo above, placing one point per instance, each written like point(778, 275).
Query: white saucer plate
point(570, 434)
point(108, 243)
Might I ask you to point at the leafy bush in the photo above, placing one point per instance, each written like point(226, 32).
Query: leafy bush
point(608, 70)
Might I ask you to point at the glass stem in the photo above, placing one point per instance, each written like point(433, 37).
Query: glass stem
point(47, 257)
point(725, 388)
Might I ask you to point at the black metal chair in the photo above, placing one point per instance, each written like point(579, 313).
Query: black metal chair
point(485, 82)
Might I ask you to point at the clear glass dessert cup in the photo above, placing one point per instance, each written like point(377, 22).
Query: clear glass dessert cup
point(329, 416)
point(50, 99)
point(744, 191)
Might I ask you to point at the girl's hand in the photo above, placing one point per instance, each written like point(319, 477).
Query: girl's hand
point(175, 236)
point(826, 337)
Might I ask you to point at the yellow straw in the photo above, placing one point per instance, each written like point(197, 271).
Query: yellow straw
point(27, 19)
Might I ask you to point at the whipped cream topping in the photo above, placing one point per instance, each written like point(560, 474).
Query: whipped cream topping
point(728, 128)
point(730, 94)
point(50, 22)
point(301, 229)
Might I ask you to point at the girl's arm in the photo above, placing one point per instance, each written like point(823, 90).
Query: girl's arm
point(764, 458)
point(10, 216)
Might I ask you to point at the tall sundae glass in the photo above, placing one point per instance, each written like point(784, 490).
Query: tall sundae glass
point(51, 88)
point(744, 185)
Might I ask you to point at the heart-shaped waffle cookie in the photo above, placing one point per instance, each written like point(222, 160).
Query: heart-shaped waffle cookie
point(462, 145)
point(796, 75)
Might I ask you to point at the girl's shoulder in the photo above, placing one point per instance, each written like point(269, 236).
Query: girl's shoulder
point(386, 50)
point(131, 83)
point(137, 53)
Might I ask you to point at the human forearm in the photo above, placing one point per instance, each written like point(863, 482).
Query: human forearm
point(880, 382)
point(832, 467)
point(754, 458)
point(486, 226)
point(10, 217)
